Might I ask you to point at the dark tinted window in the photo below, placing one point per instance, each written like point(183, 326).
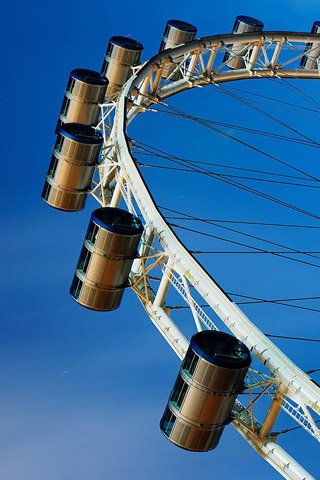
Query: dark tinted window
point(179, 392)
point(65, 106)
point(53, 166)
point(70, 85)
point(84, 260)
point(168, 422)
point(59, 143)
point(105, 64)
point(92, 233)
point(190, 363)
point(76, 287)
point(46, 191)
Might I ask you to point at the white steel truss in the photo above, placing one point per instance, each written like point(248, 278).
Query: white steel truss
point(200, 63)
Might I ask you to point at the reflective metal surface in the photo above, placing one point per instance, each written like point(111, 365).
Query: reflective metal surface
point(234, 54)
point(176, 33)
point(122, 54)
point(210, 378)
point(71, 168)
point(105, 261)
point(310, 60)
point(86, 89)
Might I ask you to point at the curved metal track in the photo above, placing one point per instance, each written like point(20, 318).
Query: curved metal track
point(266, 55)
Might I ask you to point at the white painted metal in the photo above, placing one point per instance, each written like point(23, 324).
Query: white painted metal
point(145, 88)
point(185, 294)
point(163, 288)
point(191, 304)
point(300, 387)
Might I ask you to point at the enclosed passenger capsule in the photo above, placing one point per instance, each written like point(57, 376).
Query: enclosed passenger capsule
point(235, 53)
point(122, 54)
point(177, 32)
point(311, 55)
point(86, 89)
point(105, 261)
point(75, 155)
point(210, 378)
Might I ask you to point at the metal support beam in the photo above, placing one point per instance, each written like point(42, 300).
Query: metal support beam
point(116, 197)
point(273, 412)
point(163, 287)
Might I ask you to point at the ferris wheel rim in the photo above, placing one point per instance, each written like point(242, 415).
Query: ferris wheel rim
point(145, 70)
point(167, 238)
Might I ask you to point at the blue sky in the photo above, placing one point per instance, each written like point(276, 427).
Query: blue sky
point(83, 392)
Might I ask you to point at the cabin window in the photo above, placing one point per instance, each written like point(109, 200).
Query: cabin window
point(105, 64)
point(76, 287)
point(179, 392)
point(53, 166)
point(92, 233)
point(70, 85)
point(84, 260)
point(65, 106)
point(190, 363)
point(59, 143)
point(46, 191)
point(168, 422)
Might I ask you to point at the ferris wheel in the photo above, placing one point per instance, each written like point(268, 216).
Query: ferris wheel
point(130, 247)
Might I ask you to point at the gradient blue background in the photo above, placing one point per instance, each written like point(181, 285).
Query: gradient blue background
point(82, 393)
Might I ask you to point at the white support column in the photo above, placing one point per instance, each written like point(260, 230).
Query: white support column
point(143, 90)
point(273, 412)
point(156, 81)
point(253, 56)
point(276, 54)
point(164, 286)
point(116, 197)
point(192, 64)
point(211, 59)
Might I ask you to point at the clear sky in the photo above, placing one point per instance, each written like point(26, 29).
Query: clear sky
point(82, 392)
